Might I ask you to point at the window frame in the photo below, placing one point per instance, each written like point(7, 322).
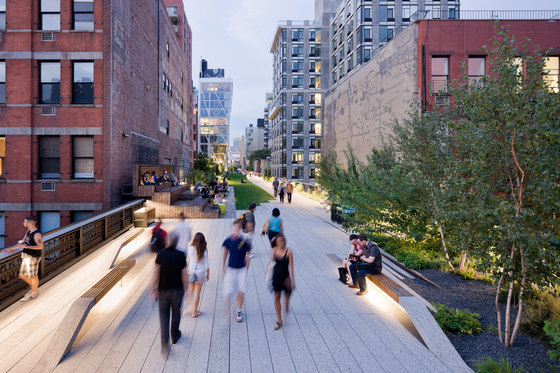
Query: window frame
point(432, 75)
point(475, 78)
point(75, 158)
point(43, 84)
point(2, 155)
point(75, 84)
point(2, 82)
point(41, 170)
point(48, 12)
point(3, 18)
point(80, 12)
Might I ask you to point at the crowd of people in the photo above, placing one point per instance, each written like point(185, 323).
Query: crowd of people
point(283, 188)
point(151, 178)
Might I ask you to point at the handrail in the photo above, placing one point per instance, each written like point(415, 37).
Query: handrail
point(67, 243)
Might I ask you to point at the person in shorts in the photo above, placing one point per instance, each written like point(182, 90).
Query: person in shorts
point(32, 245)
point(198, 269)
point(237, 252)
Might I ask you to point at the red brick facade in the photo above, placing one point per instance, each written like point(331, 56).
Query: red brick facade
point(132, 45)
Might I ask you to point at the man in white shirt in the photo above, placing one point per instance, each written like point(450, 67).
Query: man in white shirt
point(183, 230)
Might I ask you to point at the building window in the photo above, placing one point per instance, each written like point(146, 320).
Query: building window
point(81, 215)
point(49, 221)
point(2, 155)
point(386, 14)
point(297, 98)
point(82, 157)
point(315, 35)
point(315, 99)
point(297, 173)
point(314, 158)
point(167, 127)
point(552, 70)
point(49, 157)
point(365, 34)
point(297, 50)
point(50, 82)
point(385, 34)
point(297, 158)
point(50, 15)
point(440, 73)
point(315, 51)
point(297, 34)
point(297, 66)
point(453, 12)
point(2, 82)
point(365, 14)
point(315, 144)
point(476, 69)
point(297, 143)
point(2, 19)
point(297, 128)
point(297, 113)
point(82, 85)
point(283, 35)
point(366, 54)
point(297, 81)
point(83, 15)
point(167, 49)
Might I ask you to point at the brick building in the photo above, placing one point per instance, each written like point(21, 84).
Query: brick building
point(416, 64)
point(88, 89)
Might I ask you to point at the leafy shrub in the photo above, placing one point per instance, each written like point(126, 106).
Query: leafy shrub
point(473, 275)
point(412, 254)
point(552, 329)
point(456, 320)
point(540, 307)
point(503, 365)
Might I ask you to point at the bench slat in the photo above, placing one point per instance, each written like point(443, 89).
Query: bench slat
point(103, 286)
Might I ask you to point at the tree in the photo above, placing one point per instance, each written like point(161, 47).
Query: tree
point(258, 154)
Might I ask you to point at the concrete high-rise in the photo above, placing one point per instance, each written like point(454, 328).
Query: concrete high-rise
point(361, 28)
point(301, 66)
point(214, 107)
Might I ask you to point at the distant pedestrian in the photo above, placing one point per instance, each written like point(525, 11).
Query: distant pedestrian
point(289, 191)
point(235, 280)
point(32, 245)
point(273, 225)
point(282, 192)
point(183, 230)
point(275, 185)
point(282, 276)
point(198, 269)
point(169, 284)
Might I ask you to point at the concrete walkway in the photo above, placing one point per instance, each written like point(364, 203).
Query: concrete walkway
point(329, 328)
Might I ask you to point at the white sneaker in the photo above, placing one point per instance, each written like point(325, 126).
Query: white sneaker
point(251, 255)
point(27, 297)
point(238, 316)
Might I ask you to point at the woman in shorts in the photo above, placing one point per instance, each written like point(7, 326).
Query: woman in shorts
point(198, 269)
point(282, 276)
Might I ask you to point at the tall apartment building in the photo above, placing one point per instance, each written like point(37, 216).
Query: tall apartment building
point(300, 50)
point(214, 107)
point(267, 108)
point(88, 89)
point(361, 27)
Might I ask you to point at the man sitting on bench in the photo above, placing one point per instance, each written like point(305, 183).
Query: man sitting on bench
point(369, 264)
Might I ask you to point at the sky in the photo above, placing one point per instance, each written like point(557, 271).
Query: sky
point(237, 34)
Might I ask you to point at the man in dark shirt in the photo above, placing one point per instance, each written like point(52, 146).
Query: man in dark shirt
point(32, 245)
point(235, 272)
point(169, 285)
point(369, 264)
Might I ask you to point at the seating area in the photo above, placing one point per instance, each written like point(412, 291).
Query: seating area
point(142, 190)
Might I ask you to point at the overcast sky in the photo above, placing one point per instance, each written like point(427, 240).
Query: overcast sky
point(237, 34)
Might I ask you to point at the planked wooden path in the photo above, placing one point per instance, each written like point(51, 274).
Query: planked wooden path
point(329, 328)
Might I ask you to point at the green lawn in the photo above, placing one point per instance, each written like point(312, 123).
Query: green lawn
point(247, 193)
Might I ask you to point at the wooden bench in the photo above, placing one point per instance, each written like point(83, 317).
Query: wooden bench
point(144, 216)
point(389, 286)
point(70, 326)
point(204, 204)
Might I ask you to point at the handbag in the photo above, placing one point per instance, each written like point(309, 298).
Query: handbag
point(343, 274)
point(268, 275)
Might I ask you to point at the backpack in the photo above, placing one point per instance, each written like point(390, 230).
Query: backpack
point(157, 242)
point(242, 219)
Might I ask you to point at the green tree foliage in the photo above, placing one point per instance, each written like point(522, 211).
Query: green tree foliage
point(456, 320)
point(258, 154)
point(481, 173)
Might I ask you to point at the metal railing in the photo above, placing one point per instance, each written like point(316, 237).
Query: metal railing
point(67, 243)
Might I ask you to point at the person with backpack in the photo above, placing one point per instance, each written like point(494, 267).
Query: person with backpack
point(158, 238)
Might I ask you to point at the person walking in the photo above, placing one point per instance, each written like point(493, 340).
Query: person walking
point(169, 283)
point(235, 273)
point(282, 276)
point(275, 185)
point(282, 192)
point(183, 230)
point(289, 191)
point(198, 269)
point(248, 224)
point(32, 245)
point(370, 263)
point(273, 225)
point(159, 238)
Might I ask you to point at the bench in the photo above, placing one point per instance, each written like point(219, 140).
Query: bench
point(70, 326)
point(144, 216)
point(204, 204)
point(189, 195)
point(389, 286)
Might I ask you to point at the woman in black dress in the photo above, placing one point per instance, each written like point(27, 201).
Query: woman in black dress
point(282, 276)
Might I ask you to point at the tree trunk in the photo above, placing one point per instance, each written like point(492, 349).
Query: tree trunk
point(444, 247)
point(497, 304)
point(464, 262)
point(507, 323)
point(521, 291)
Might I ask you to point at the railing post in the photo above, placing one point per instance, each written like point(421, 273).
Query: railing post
point(80, 241)
point(105, 226)
point(122, 218)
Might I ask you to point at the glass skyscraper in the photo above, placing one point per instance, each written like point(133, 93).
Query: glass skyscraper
point(214, 108)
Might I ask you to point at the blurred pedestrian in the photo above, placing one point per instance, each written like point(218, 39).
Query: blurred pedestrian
point(282, 276)
point(198, 269)
point(273, 225)
point(289, 191)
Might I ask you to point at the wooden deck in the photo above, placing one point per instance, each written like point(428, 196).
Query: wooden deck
point(329, 329)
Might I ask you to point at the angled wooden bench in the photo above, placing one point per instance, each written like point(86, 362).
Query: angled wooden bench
point(70, 326)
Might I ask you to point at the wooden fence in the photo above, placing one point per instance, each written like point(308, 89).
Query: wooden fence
point(67, 243)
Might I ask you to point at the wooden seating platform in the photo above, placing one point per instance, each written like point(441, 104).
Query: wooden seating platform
point(389, 286)
point(144, 216)
point(70, 326)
